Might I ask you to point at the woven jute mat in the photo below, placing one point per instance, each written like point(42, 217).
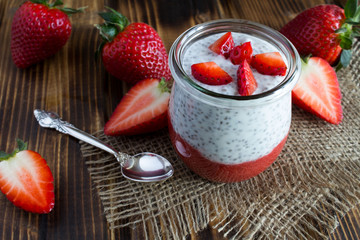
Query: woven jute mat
point(315, 178)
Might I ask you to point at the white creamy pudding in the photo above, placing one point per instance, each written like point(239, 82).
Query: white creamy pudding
point(225, 135)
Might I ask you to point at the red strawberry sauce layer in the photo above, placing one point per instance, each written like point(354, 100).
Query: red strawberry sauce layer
point(219, 172)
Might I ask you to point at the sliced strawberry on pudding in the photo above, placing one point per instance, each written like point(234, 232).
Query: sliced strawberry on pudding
point(241, 52)
point(26, 180)
point(210, 73)
point(143, 109)
point(245, 79)
point(269, 63)
point(317, 90)
point(223, 45)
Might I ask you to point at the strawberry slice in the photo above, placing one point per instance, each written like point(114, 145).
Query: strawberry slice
point(223, 45)
point(317, 90)
point(269, 63)
point(26, 180)
point(245, 79)
point(241, 52)
point(210, 73)
point(143, 109)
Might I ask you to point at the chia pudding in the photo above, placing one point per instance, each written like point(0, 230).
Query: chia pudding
point(218, 134)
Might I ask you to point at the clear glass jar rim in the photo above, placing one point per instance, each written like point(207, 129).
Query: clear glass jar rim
point(224, 25)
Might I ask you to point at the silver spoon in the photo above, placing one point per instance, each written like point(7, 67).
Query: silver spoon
point(142, 167)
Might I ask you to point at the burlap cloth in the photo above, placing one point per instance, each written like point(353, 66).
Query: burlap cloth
point(315, 178)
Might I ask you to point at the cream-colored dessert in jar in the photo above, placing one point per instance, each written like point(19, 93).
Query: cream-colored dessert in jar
point(219, 134)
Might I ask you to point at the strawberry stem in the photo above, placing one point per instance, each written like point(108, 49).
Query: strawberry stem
point(305, 59)
point(45, 2)
point(114, 23)
point(66, 10)
point(348, 31)
point(163, 85)
point(21, 147)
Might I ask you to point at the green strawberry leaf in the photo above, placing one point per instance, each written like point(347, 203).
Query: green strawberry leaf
point(356, 32)
point(306, 58)
point(356, 16)
point(341, 30)
point(56, 3)
point(66, 10)
point(116, 18)
point(346, 42)
point(348, 31)
point(350, 8)
point(345, 57)
point(107, 31)
point(338, 66)
point(4, 155)
point(110, 17)
point(71, 11)
point(114, 23)
point(45, 2)
point(352, 22)
point(163, 85)
point(21, 145)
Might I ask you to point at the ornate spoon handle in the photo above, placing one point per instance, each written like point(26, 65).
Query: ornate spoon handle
point(52, 120)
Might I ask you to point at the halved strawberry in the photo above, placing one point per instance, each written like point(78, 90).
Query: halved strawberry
point(223, 45)
point(241, 52)
point(269, 63)
point(210, 73)
point(143, 109)
point(317, 90)
point(246, 81)
point(26, 180)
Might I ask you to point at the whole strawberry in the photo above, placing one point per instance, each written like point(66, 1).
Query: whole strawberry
point(325, 31)
point(131, 52)
point(39, 30)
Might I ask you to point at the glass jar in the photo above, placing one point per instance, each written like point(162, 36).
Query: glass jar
point(227, 138)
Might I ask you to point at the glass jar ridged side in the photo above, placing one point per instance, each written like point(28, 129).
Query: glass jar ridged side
point(226, 138)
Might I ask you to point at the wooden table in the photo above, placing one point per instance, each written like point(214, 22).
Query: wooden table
point(72, 84)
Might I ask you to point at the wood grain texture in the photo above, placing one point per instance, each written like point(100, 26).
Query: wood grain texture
point(77, 87)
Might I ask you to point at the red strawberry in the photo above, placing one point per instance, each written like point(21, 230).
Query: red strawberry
point(26, 180)
point(38, 31)
point(131, 52)
point(324, 31)
point(269, 63)
point(223, 45)
point(210, 73)
point(143, 109)
point(241, 53)
point(245, 79)
point(317, 90)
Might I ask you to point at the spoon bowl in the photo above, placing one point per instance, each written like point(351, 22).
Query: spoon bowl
point(147, 167)
point(142, 167)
